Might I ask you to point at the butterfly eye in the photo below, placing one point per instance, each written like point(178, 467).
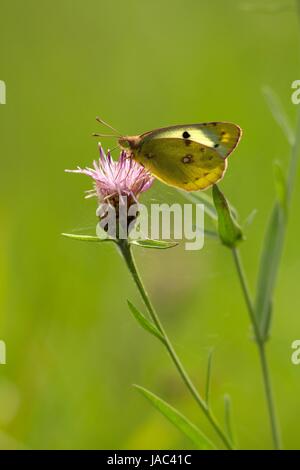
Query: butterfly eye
point(123, 142)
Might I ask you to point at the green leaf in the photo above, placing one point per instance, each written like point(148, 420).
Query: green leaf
point(157, 244)
point(279, 113)
point(268, 269)
point(144, 322)
point(280, 185)
point(228, 418)
point(180, 421)
point(230, 232)
point(86, 238)
point(208, 377)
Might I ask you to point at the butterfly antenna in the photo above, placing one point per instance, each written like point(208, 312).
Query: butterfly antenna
point(108, 125)
point(103, 135)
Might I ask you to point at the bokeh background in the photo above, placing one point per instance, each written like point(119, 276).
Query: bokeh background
point(73, 349)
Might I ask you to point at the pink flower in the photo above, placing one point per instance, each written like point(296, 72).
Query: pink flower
point(114, 180)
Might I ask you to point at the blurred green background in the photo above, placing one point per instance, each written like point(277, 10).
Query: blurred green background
point(73, 349)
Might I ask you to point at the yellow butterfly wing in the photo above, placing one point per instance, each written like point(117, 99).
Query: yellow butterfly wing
point(222, 136)
point(190, 167)
point(191, 156)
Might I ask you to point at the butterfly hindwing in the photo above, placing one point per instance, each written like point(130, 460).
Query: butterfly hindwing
point(181, 162)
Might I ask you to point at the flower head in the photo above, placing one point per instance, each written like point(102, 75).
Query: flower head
point(114, 180)
point(117, 185)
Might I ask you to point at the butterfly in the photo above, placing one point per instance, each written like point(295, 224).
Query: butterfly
point(191, 157)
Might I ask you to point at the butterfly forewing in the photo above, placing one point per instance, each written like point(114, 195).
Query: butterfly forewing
point(221, 136)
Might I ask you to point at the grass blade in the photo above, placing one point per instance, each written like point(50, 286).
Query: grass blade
point(275, 233)
point(269, 264)
point(280, 186)
point(279, 113)
point(178, 419)
point(228, 418)
point(208, 377)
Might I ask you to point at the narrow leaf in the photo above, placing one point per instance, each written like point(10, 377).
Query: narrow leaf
point(86, 238)
point(208, 377)
point(280, 185)
point(144, 322)
point(179, 420)
point(157, 244)
point(230, 232)
point(228, 418)
point(279, 113)
point(268, 269)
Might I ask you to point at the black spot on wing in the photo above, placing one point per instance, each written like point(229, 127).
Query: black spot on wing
point(186, 135)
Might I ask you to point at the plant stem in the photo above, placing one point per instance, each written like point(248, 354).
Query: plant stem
point(128, 257)
point(291, 177)
point(261, 349)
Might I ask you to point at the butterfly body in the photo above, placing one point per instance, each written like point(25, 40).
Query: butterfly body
point(190, 157)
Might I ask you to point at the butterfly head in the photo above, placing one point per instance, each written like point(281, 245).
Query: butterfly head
point(129, 142)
